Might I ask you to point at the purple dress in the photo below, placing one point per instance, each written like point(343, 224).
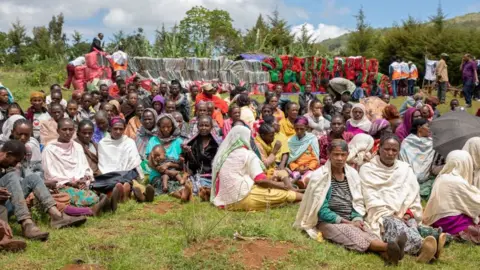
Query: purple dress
point(454, 224)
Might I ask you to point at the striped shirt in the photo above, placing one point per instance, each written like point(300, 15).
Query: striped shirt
point(341, 199)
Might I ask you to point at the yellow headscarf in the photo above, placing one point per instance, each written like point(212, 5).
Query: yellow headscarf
point(37, 94)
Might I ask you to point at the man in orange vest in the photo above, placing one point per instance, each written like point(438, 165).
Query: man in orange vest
point(119, 62)
point(412, 77)
point(395, 71)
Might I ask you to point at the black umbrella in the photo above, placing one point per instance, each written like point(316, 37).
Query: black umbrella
point(452, 130)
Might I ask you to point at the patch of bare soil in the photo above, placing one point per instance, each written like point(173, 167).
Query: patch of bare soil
point(83, 267)
point(251, 254)
point(162, 208)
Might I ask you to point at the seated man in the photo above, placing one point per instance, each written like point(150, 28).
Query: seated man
point(12, 153)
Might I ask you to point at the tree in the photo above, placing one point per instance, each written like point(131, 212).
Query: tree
point(17, 36)
point(362, 41)
point(57, 37)
point(280, 36)
point(255, 38)
point(439, 19)
point(41, 43)
point(79, 46)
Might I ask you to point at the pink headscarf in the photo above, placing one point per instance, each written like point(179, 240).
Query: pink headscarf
point(404, 129)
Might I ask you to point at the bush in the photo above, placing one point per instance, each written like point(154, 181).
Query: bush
point(45, 72)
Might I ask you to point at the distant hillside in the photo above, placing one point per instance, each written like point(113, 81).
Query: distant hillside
point(471, 20)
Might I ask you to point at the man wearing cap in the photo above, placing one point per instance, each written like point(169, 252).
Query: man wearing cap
point(208, 94)
point(412, 77)
point(441, 71)
point(470, 78)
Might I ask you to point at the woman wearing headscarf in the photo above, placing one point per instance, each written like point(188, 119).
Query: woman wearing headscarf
point(392, 201)
point(390, 113)
point(286, 124)
point(359, 150)
point(453, 204)
point(158, 104)
point(304, 152)
point(433, 102)
point(319, 125)
point(239, 180)
point(270, 148)
point(417, 151)
point(117, 112)
point(379, 128)
point(427, 112)
point(404, 129)
point(333, 204)
point(358, 123)
point(472, 146)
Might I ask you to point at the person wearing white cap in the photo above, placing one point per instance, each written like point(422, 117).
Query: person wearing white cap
point(412, 77)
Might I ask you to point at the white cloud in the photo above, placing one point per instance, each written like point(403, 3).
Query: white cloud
point(330, 9)
point(321, 32)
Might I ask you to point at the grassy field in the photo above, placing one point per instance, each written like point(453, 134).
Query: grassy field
point(168, 235)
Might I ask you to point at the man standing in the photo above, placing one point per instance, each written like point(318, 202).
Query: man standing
point(97, 43)
point(470, 78)
point(412, 77)
point(441, 72)
point(119, 63)
point(395, 72)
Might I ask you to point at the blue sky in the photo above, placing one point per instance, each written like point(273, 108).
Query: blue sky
point(324, 18)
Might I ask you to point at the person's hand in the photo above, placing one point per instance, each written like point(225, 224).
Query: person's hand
point(359, 224)
point(6, 228)
point(276, 147)
point(163, 168)
point(4, 194)
point(406, 217)
point(187, 149)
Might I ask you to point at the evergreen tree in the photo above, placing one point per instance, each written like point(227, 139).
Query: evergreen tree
point(256, 36)
point(280, 37)
point(439, 19)
point(362, 41)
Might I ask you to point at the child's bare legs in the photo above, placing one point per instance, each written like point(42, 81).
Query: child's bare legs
point(165, 179)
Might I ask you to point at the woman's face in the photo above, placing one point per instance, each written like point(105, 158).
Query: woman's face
point(158, 106)
point(109, 110)
point(22, 133)
point(347, 113)
point(14, 111)
point(117, 130)
point(204, 127)
point(293, 111)
point(165, 127)
point(102, 123)
point(425, 112)
point(65, 133)
point(266, 112)
point(235, 115)
point(357, 114)
point(317, 109)
point(268, 138)
point(148, 120)
point(85, 134)
point(202, 110)
point(416, 115)
point(338, 157)
point(424, 131)
point(37, 103)
point(389, 151)
point(179, 119)
point(273, 102)
point(133, 99)
point(300, 130)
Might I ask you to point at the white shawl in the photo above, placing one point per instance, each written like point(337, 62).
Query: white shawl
point(452, 194)
point(359, 148)
point(118, 155)
point(419, 153)
point(389, 191)
point(363, 124)
point(65, 162)
point(317, 189)
point(472, 146)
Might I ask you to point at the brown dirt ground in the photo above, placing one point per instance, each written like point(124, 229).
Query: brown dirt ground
point(162, 208)
point(83, 267)
point(251, 254)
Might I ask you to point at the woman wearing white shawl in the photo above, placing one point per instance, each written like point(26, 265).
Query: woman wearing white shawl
point(333, 203)
point(238, 178)
point(454, 202)
point(358, 123)
point(392, 200)
point(359, 150)
point(417, 151)
point(472, 146)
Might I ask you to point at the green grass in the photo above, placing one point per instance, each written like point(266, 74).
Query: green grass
point(138, 238)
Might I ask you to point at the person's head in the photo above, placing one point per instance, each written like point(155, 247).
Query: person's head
point(272, 121)
point(132, 99)
point(86, 101)
point(266, 110)
point(272, 101)
point(205, 125)
point(324, 83)
point(308, 88)
point(338, 153)
point(170, 106)
point(267, 133)
point(139, 110)
point(117, 128)
point(201, 109)
point(425, 111)
point(175, 88)
point(390, 112)
point(234, 112)
point(14, 109)
point(337, 125)
point(158, 154)
point(155, 90)
point(243, 100)
point(109, 110)
point(328, 101)
point(278, 90)
point(22, 130)
point(77, 96)
point(100, 36)
point(208, 89)
point(102, 118)
point(163, 88)
point(432, 101)
point(166, 126)
point(347, 111)
point(136, 82)
point(56, 96)
point(72, 108)
point(345, 96)
point(358, 112)
point(210, 108)
point(467, 57)
point(55, 88)
point(380, 128)
point(14, 152)
point(420, 127)
point(454, 104)
point(389, 148)
point(292, 111)
point(56, 111)
point(85, 131)
point(104, 91)
point(4, 95)
point(300, 125)
point(132, 87)
point(193, 91)
point(418, 96)
point(444, 56)
point(416, 115)
point(386, 98)
point(36, 99)
point(148, 119)
point(122, 87)
point(358, 83)
point(316, 107)
point(178, 118)
point(65, 130)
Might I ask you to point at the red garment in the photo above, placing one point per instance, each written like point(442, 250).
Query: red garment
point(326, 140)
point(218, 102)
point(31, 111)
point(70, 75)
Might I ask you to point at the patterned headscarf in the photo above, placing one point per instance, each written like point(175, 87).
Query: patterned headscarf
point(175, 132)
point(378, 125)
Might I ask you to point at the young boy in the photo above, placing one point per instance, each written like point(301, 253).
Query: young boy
point(85, 112)
point(37, 112)
point(95, 100)
point(72, 110)
point(56, 96)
